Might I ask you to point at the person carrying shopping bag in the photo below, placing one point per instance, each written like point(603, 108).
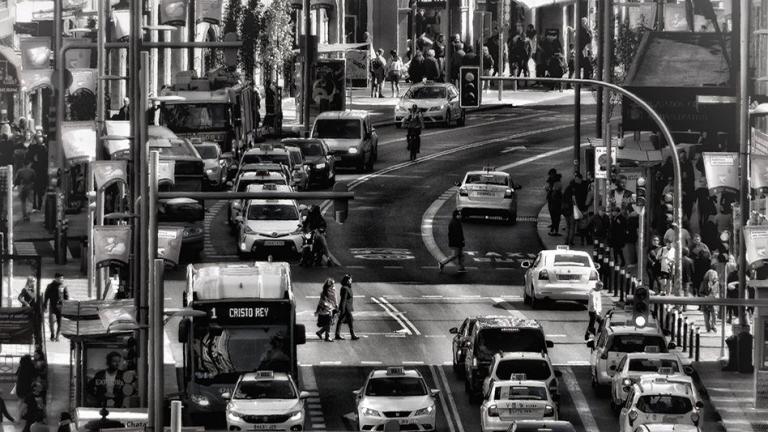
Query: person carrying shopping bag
point(327, 307)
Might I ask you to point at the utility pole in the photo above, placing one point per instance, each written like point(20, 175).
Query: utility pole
point(306, 86)
point(607, 49)
point(743, 98)
point(598, 70)
point(577, 89)
point(191, 34)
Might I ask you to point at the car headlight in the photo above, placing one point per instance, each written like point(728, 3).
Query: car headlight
point(200, 400)
point(371, 412)
point(626, 382)
point(425, 411)
point(209, 171)
point(320, 165)
point(352, 150)
point(437, 108)
point(294, 415)
point(234, 413)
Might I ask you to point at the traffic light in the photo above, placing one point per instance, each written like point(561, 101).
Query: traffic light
point(469, 85)
point(640, 195)
point(669, 207)
point(641, 307)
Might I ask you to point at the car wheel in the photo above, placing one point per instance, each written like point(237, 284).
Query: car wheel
point(398, 125)
point(463, 119)
point(533, 302)
point(512, 218)
point(526, 297)
point(447, 122)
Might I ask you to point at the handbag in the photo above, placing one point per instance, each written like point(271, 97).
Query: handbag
point(323, 320)
point(577, 214)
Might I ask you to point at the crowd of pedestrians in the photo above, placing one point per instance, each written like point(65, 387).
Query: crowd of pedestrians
point(338, 308)
point(27, 151)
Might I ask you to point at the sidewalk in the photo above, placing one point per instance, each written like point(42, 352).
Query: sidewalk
point(730, 393)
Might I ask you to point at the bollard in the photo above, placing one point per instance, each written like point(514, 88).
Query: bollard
point(698, 343)
point(667, 317)
point(623, 280)
point(678, 324)
point(175, 416)
point(690, 349)
point(611, 274)
point(685, 333)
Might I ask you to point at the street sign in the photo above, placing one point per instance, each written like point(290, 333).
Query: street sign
point(601, 161)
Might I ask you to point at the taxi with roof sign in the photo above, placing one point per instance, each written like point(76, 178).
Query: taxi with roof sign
point(535, 366)
point(666, 427)
point(265, 400)
point(395, 396)
point(559, 274)
point(660, 399)
point(636, 365)
point(246, 179)
point(516, 399)
point(269, 224)
point(488, 192)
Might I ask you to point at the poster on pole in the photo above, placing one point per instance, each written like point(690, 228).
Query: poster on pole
point(111, 244)
point(169, 244)
point(357, 67)
point(601, 161)
point(106, 173)
point(758, 171)
point(756, 241)
point(721, 170)
point(328, 85)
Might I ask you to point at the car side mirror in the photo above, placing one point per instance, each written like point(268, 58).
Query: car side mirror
point(226, 395)
point(457, 183)
point(591, 344)
point(688, 370)
point(525, 264)
point(558, 374)
point(613, 367)
point(304, 395)
point(434, 392)
point(699, 404)
point(550, 344)
point(453, 330)
point(671, 345)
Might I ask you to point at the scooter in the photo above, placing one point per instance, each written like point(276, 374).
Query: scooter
point(311, 254)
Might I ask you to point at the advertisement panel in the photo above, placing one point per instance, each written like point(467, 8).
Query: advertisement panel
point(16, 326)
point(169, 244)
point(357, 67)
point(106, 173)
point(110, 377)
point(641, 15)
point(328, 85)
point(756, 240)
point(721, 170)
point(601, 161)
point(35, 52)
point(111, 244)
point(79, 140)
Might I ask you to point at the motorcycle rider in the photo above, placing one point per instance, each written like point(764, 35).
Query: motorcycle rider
point(414, 122)
point(315, 222)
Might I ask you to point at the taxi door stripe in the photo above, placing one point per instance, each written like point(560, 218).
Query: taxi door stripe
point(440, 385)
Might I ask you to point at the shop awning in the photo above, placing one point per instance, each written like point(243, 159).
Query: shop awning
point(34, 79)
point(94, 318)
point(79, 140)
point(117, 148)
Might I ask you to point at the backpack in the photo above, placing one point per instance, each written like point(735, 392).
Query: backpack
point(376, 64)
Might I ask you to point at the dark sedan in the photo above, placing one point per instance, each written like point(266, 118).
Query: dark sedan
point(317, 157)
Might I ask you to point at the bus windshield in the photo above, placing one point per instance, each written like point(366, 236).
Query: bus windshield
point(195, 117)
point(222, 354)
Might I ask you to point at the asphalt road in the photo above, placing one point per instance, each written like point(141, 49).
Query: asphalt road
point(397, 229)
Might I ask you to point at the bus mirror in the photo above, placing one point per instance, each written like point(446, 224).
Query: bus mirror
point(299, 334)
point(550, 344)
point(183, 330)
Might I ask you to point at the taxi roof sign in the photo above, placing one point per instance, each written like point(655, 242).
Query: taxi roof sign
point(518, 377)
point(651, 349)
point(563, 247)
point(395, 370)
point(666, 371)
point(265, 374)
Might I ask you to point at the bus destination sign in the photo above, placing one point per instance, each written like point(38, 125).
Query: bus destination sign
point(247, 312)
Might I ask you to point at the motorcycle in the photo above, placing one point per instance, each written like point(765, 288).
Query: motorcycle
point(311, 250)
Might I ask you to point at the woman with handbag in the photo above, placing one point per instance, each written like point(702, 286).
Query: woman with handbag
point(346, 306)
point(571, 211)
point(327, 307)
point(414, 123)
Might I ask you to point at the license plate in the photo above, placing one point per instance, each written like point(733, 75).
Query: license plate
point(274, 243)
point(405, 421)
point(485, 193)
point(670, 419)
point(521, 411)
point(264, 427)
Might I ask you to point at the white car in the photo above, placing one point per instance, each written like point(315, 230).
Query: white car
point(560, 274)
point(270, 224)
point(636, 365)
point(265, 400)
point(438, 103)
point(535, 366)
point(487, 192)
point(396, 395)
point(215, 163)
point(666, 427)
point(660, 399)
point(241, 184)
point(516, 399)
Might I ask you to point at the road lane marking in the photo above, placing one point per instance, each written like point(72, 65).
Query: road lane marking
point(402, 315)
point(452, 402)
point(582, 407)
point(511, 149)
point(309, 383)
point(330, 362)
point(442, 397)
point(412, 362)
point(370, 362)
point(428, 219)
point(394, 316)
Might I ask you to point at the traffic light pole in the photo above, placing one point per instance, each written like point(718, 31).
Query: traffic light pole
point(577, 89)
point(306, 82)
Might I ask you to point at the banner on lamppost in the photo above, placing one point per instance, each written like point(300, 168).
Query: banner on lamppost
point(108, 172)
point(166, 172)
point(78, 139)
point(169, 244)
point(35, 52)
point(758, 172)
point(721, 170)
point(83, 79)
point(111, 244)
point(756, 242)
point(641, 15)
point(209, 11)
point(122, 21)
point(601, 161)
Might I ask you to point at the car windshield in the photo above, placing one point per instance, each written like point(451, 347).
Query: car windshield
point(296, 158)
point(195, 117)
point(520, 392)
point(267, 389)
point(636, 343)
point(571, 260)
point(173, 147)
point(652, 365)
point(208, 152)
point(243, 185)
point(272, 212)
point(180, 210)
point(533, 369)
point(426, 93)
point(339, 129)
point(399, 386)
point(664, 404)
point(489, 179)
point(281, 158)
point(512, 339)
point(311, 149)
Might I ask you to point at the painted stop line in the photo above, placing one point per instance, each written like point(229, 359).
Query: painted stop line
point(382, 254)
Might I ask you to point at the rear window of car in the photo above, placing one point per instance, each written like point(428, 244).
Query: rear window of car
point(519, 392)
point(571, 260)
point(652, 365)
point(340, 129)
point(664, 404)
point(243, 185)
point(311, 149)
point(512, 339)
point(265, 158)
point(636, 343)
point(426, 93)
point(207, 152)
point(489, 179)
point(534, 369)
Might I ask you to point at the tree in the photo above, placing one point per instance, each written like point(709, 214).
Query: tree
point(249, 32)
point(275, 45)
point(232, 16)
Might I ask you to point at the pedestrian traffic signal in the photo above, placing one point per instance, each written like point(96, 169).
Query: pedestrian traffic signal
point(669, 207)
point(469, 85)
point(641, 306)
point(640, 192)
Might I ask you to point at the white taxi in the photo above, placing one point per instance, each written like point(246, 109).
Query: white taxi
point(536, 366)
point(516, 399)
point(487, 192)
point(636, 365)
point(666, 427)
point(265, 400)
point(241, 184)
point(270, 224)
point(660, 399)
point(560, 274)
point(396, 395)
point(438, 103)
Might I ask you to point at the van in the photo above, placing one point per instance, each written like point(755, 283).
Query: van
point(350, 136)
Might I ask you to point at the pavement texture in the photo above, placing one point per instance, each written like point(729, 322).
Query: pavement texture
point(730, 393)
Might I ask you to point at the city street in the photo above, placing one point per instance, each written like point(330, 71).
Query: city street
point(404, 307)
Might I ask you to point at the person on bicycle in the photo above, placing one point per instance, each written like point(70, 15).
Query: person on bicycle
point(414, 122)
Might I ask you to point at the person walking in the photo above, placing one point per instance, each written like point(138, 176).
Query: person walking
point(617, 236)
point(688, 270)
point(554, 200)
point(37, 155)
point(702, 259)
point(594, 308)
point(378, 65)
point(24, 181)
point(55, 294)
point(394, 72)
point(654, 263)
point(431, 67)
point(455, 242)
point(27, 294)
point(414, 123)
point(416, 68)
point(488, 65)
point(346, 307)
point(327, 307)
point(710, 288)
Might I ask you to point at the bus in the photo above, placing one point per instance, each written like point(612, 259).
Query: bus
point(243, 320)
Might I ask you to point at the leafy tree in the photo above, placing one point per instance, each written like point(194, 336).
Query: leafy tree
point(275, 44)
point(249, 32)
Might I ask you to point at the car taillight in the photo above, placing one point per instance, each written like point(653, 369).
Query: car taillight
point(543, 275)
point(695, 419)
point(593, 275)
point(508, 193)
point(463, 192)
point(549, 411)
point(493, 411)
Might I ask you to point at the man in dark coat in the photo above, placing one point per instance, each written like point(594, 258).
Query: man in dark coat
point(431, 67)
point(455, 242)
point(346, 307)
point(37, 155)
point(470, 58)
point(417, 68)
point(55, 294)
point(457, 60)
point(617, 235)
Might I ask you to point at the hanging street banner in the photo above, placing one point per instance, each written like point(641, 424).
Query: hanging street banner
point(758, 143)
point(756, 240)
point(722, 170)
point(78, 139)
point(118, 148)
point(601, 161)
point(208, 11)
point(108, 172)
point(17, 325)
point(111, 244)
point(166, 171)
point(169, 244)
point(121, 18)
point(173, 12)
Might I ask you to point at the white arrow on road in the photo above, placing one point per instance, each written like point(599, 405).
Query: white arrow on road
point(511, 149)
